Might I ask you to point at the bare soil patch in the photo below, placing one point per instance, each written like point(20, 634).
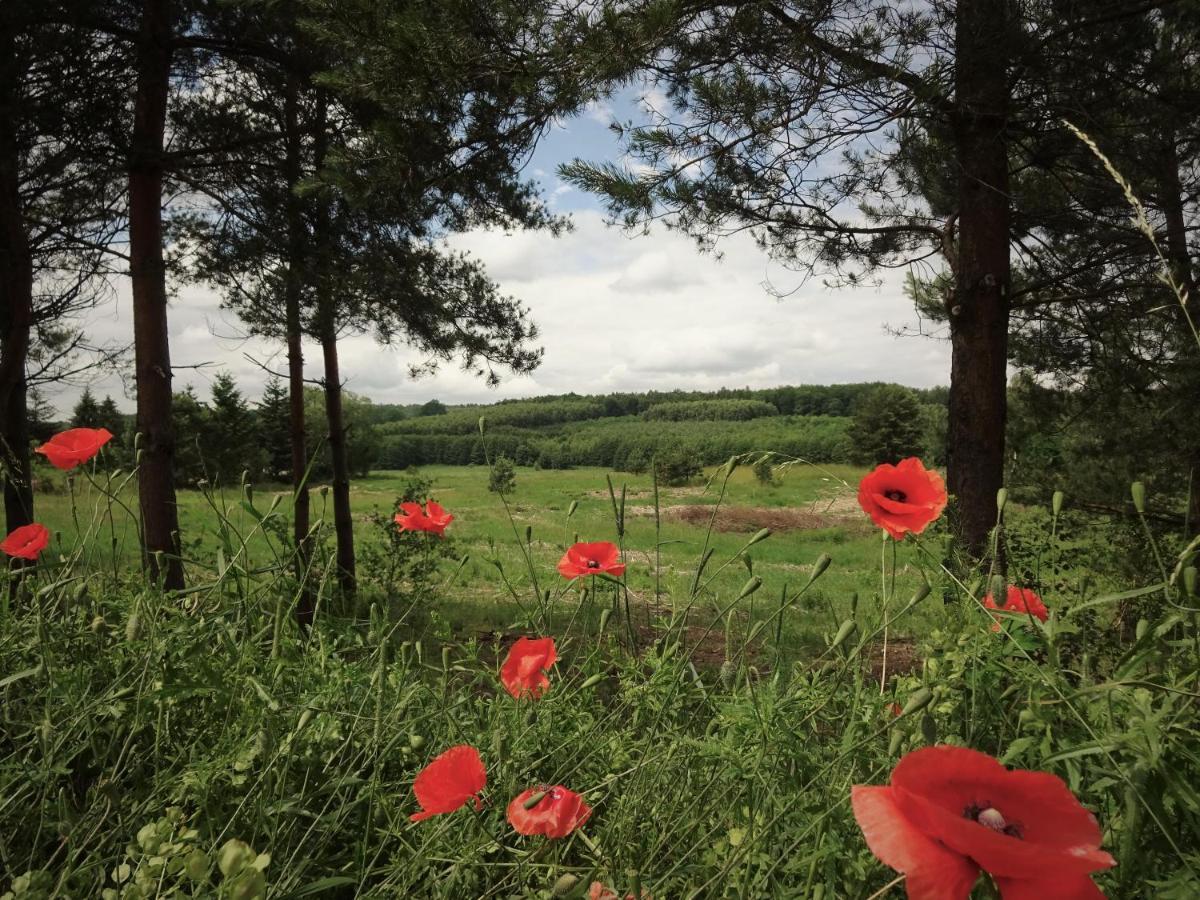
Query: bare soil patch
point(752, 518)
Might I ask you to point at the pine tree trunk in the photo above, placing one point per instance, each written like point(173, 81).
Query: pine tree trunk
point(1180, 259)
point(979, 307)
point(152, 357)
point(293, 288)
point(343, 521)
point(16, 297)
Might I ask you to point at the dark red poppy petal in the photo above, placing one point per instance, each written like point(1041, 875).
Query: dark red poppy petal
point(931, 871)
point(1080, 887)
point(936, 786)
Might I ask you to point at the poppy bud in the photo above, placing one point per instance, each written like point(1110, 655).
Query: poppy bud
point(133, 628)
point(928, 729)
point(445, 658)
point(920, 594)
point(920, 699)
point(565, 884)
point(844, 632)
point(997, 587)
point(1137, 490)
point(305, 718)
point(97, 623)
point(528, 534)
point(481, 424)
point(604, 614)
point(749, 587)
point(819, 568)
point(1001, 499)
point(592, 681)
point(895, 742)
point(324, 490)
point(854, 604)
point(761, 535)
point(571, 509)
point(1189, 581)
point(245, 477)
point(416, 741)
point(1056, 503)
point(248, 491)
point(1142, 627)
point(535, 798)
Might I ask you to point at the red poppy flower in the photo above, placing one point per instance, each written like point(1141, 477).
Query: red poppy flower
point(524, 668)
point(26, 542)
point(449, 782)
point(903, 498)
point(599, 891)
point(1019, 600)
point(592, 559)
point(438, 518)
point(556, 814)
point(433, 518)
point(67, 449)
point(950, 812)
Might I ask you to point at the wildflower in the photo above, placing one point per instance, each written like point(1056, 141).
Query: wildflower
point(556, 813)
point(1019, 600)
point(524, 668)
point(449, 782)
point(903, 498)
point(26, 542)
point(591, 559)
point(599, 891)
point(67, 449)
point(433, 518)
point(950, 812)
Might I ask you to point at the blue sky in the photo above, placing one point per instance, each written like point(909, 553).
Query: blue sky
point(616, 311)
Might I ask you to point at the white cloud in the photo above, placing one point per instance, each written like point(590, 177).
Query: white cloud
point(616, 312)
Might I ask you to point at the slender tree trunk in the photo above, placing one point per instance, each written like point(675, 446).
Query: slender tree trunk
point(156, 475)
point(343, 521)
point(16, 294)
point(293, 289)
point(1179, 257)
point(979, 307)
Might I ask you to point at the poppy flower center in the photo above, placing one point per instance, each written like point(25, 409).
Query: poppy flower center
point(593, 564)
point(898, 496)
point(990, 817)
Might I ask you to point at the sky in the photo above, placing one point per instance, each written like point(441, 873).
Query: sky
point(616, 312)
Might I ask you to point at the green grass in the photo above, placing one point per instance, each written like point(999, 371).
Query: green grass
point(141, 732)
point(483, 531)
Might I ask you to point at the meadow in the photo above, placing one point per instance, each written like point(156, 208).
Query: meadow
point(714, 707)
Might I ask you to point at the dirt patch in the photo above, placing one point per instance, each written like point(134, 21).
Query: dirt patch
point(751, 518)
point(902, 658)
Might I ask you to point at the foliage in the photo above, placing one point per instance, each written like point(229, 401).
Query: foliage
point(717, 410)
point(177, 733)
point(888, 426)
point(502, 479)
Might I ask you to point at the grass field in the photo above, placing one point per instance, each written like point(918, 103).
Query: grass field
point(810, 510)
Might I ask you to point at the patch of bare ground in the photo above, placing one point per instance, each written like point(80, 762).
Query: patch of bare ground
point(751, 518)
point(902, 658)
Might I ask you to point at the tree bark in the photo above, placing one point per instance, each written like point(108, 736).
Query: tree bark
point(16, 294)
point(980, 306)
point(293, 289)
point(343, 521)
point(1179, 257)
point(156, 475)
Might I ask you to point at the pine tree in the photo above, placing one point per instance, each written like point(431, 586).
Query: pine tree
point(87, 411)
point(274, 429)
point(233, 445)
point(889, 425)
